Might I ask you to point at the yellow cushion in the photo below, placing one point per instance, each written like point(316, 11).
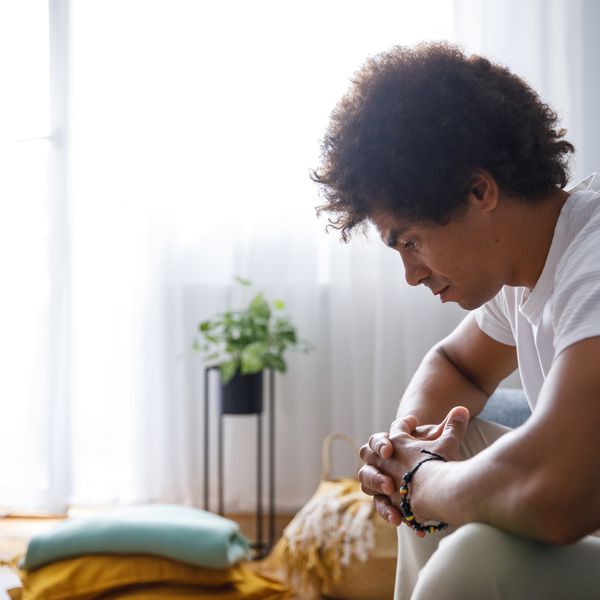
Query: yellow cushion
point(87, 577)
point(251, 587)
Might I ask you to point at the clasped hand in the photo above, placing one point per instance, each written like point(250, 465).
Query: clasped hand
point(388, 456)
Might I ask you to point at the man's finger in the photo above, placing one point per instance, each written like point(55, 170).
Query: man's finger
point(390, 513)
point(380, 443)
point(456, 422)
point(404, 425)
point(369, 491)
point(428, 432)
point(374, 480)
point(369, 456)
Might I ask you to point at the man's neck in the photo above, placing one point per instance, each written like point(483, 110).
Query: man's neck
point(530, 227)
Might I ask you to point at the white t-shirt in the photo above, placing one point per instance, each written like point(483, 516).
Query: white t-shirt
point(564, 306)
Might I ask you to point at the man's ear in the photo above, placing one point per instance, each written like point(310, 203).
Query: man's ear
point(484, 190)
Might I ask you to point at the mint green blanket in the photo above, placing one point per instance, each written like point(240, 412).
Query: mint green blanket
point(181, 533)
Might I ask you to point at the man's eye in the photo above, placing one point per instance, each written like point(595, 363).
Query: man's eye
point(408, 245)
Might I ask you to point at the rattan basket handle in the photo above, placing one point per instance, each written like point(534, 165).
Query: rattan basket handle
point(326, 452)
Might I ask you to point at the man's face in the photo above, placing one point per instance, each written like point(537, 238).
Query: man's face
point(459, 262)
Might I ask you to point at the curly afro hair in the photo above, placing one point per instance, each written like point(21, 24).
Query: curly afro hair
point(415, 125)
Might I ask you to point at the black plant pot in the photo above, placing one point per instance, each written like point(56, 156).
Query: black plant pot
point(243, 395)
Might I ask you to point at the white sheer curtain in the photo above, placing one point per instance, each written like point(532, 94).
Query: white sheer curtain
point(33, 270)
point(193, 126)
point(553, 45)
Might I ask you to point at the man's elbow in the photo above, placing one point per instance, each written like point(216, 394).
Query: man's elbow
point(563, 519)
point(564, 532)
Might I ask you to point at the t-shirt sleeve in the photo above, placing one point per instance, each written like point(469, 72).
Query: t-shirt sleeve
point(576, 303)
point(493, 321)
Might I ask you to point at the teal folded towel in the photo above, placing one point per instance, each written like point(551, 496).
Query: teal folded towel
point(180, 533)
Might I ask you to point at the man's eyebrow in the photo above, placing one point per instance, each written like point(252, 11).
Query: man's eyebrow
point(390, 238)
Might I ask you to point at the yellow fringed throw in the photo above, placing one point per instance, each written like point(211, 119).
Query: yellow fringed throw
point(336, 545)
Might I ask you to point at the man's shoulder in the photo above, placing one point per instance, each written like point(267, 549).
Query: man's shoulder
point(583, 249)
point(576, 301)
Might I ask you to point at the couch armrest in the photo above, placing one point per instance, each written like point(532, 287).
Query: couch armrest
point(507, 406)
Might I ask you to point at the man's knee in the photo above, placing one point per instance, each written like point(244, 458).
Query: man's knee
point(463, 566)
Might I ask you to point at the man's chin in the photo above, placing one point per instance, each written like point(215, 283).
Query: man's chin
point(466, 305)
point(471, 303)
point(468, 301)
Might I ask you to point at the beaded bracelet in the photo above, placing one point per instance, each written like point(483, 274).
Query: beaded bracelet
point(419, 528)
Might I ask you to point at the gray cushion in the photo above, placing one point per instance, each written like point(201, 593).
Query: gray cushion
point(507, 406)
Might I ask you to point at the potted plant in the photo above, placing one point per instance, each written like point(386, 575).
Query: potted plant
point(243, 343)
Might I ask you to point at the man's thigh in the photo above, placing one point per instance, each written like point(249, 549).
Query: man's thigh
point(414, 552)
point(479, 561)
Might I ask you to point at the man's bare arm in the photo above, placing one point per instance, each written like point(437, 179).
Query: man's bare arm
point(541, 480)
point(464, 368)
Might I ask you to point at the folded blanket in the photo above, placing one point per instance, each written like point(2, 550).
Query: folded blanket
point(180, 533)
point(144, 577)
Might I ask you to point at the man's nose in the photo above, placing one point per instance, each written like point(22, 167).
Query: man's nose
point(415, 271)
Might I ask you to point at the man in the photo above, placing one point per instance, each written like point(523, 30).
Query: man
point(461, 168)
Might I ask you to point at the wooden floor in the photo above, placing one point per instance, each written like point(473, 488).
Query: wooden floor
point(15, 533)
point(248, 524)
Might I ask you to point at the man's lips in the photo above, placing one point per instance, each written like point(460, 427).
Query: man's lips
point(441, 291)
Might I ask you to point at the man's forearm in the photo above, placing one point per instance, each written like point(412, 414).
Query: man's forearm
point(487, 488)
point(505, 485)
point(539, 480)
point(436, 387)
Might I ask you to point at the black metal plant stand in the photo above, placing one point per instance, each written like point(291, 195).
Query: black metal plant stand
point(260, 547)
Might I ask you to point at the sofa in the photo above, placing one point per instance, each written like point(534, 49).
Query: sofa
point(507, 406)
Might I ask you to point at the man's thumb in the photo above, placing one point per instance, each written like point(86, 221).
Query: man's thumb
point(456, 422)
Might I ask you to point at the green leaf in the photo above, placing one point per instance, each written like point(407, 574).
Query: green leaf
point(305, 346)
point(278, 363)
point(250, 339)
point(244, 282)
point(254, 358)
point(259, 308)
point(229, 369)
point(285, 332)
point(288, 336)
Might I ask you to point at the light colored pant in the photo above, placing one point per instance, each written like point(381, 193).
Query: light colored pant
point(480, 562)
